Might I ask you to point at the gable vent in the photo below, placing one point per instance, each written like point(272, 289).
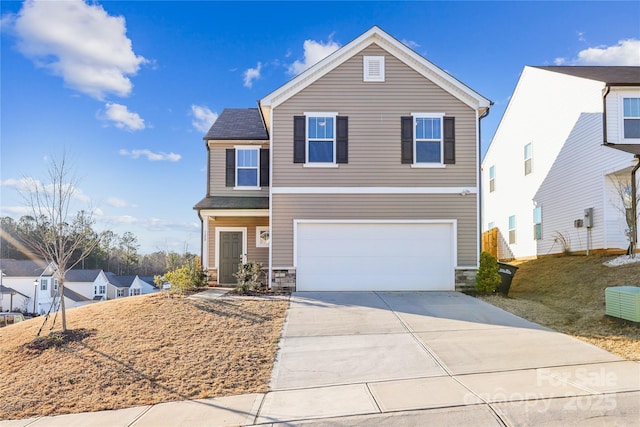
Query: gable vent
point(373, 68)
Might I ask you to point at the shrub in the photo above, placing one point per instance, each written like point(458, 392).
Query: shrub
point(248, 277)
point(190, 276)
point(488, 279)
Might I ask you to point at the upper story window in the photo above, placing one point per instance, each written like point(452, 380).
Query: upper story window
point(55, 284)
point(99, 289)
point(631, 117)
point(120, 292)
point(373, 68)
point(134, 292)
point(321, 141)
point(492, 179)
point(528, 159)
point(512, 229)
point(43, 284)
point(537, 223)
point(247, 167)
point(428, 140)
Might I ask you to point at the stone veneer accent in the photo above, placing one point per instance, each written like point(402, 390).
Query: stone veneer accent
point(466, 280)
point(283, 279)
point(212, 277)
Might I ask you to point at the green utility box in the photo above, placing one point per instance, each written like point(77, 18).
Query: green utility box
point(623, 302)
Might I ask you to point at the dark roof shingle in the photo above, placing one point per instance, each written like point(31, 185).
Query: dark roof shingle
point(238, 123)
point(229, 202)
point(22, 268)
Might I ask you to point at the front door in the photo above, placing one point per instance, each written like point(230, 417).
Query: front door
point(230, 255)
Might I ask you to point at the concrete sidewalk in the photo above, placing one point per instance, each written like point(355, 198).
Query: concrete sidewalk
point(410, 359)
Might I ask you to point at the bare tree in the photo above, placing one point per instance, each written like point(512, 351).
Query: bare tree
point(624, 204)
point(55, 232)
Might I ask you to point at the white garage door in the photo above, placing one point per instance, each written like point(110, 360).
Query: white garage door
point(379, 256)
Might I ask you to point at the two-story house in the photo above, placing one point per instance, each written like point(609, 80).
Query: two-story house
point(361, 173)
point(549, 182)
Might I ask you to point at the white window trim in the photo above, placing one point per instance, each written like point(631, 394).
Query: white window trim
point(622, 96)
point(366, 77)
point(308, 164)
point(217, 244)
point(260, 229)
point(417, 164)
point(247, 187)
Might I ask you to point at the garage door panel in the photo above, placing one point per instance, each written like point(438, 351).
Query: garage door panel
point(375, 256)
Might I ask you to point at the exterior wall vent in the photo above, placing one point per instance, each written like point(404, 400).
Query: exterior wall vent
point(623, 302)
point(373, 68)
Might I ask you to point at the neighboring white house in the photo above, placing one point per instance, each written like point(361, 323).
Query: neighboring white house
point(547, 178)
point(90, 285)
point(125, 286)
point(35, 280)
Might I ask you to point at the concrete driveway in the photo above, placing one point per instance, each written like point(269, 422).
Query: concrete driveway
point(441, 358)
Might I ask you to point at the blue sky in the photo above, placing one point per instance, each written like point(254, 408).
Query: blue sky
point(128, 88)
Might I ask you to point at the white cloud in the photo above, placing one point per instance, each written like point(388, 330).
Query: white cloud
point(313, 52)
point(116, 203)
point(626, 52)
point(203, 117)
point(80, 42)
point(252, 74)
point(410, 43)
point(150, 155)
point(123, 118)
point(29, 184)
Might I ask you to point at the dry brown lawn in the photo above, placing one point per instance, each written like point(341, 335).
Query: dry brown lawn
point(567, 294)
point(140, 351)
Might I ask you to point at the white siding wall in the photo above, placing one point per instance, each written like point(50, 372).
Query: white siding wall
point(543, 110)
point(577, 181)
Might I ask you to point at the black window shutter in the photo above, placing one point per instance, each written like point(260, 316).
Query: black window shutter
point(231, 167)
point(299, 139)
point(407, 139)
point(342, 139)
point(264, 167)
point(449, 140)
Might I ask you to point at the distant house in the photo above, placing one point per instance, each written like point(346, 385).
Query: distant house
point(36, 280)
point(12, 300)
point(549, 182)
point(90, 284)
point(125, 286)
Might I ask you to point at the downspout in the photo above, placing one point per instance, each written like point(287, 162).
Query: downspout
point(634, 205)
point(607, 89)
point(479, 192)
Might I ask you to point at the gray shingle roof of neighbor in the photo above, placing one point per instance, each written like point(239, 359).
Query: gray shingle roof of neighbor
point(74, 296)
point(230, 202)
point(238, 123)
point(22, 268)
point(117, 281)
point(607, 74)
point(81, 275)
point(8, 290)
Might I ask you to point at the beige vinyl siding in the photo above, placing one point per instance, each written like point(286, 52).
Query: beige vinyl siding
point(217, 169)
point(374, 111)
point(287, 207)
point(254, 253)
